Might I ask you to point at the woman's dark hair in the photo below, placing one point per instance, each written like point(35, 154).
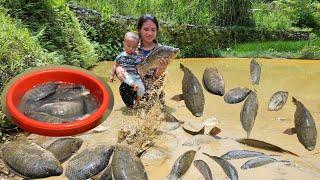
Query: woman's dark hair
point(145, 18)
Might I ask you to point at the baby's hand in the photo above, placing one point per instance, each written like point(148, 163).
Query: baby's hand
point(111, 79)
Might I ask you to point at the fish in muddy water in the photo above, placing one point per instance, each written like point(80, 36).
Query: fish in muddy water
point(63, 148)
point(152, 60)
point(29, 160)
point(227, 167)
point(181, 165)
point(239, 154)
point(236, 95)
point(260, 161)
point(305, 126)
point(255, 71)
point(263, 145)
point(89, 162)
point(126, 165)
point(203, 168)
point(192, 93)
point(249, 112)
point(213, 81)
point(277, 100)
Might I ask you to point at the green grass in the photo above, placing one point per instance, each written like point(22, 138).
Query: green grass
point(273, 49)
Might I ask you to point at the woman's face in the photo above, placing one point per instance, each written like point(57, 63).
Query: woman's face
point(148, 31)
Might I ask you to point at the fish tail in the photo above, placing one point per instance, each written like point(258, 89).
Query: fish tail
point(181, 66)
point(294, 100)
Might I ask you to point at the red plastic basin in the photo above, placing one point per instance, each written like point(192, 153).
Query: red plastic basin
point(69, 74)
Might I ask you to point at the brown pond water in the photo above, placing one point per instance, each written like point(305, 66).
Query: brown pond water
point(299, 77)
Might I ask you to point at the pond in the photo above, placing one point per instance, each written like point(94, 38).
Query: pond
point(299, 77)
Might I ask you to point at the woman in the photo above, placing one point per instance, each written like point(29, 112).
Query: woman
point(147, 28)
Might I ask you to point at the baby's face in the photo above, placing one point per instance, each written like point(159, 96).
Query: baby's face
point(130, 45)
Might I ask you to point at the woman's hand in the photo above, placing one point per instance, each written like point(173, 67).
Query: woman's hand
point(120, 73)
point(163, 63)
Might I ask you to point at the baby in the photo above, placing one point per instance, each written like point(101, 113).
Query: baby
point(128, 59)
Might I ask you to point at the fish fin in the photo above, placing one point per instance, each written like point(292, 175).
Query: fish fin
point(178, 97)
point(181, 66)
point(141, 71)
point(214, 131)
point(290, 131)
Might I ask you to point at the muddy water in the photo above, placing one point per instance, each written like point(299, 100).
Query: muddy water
point(299, 77)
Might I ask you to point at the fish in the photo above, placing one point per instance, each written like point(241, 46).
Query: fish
point(181, 165)
point(236, 95)
point(37, 93)
point(90, 104)
point(213, 81)
point(44, 117)
point(106, 174)
point(255, 72)
point(249, 112)
point(260, 161)
point(239, 154)
point(305, 126)
point(152, 60)
point(64, 148)
point(227, 167)
point(30, 160)
point(68, 92)
point(203, 168)
point(126, 165)
point(89, 162)
point(278, 100)
point(192, 93)
point(263, 145)
point(64, 109)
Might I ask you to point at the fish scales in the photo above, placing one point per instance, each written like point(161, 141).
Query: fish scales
point(227, 167)
point(89, 162)
point(239, 154)
point(277, 100)
point(236, 95)
point(181, 165)
point(203, 168)
point(192, 92)
point(213, 81)
point(305, 126)
point(255, 71)
point(30, 160)
point(249, 112)
point(126, 165)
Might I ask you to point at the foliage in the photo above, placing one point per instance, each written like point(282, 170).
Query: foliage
point(232, 13)
point(57, 30)
point(307, 49)
point(285, 14)
point(18, 52)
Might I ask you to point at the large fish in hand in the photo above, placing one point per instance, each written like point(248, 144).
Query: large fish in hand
point(152, 60)
point(192, 92)
point(305, 126)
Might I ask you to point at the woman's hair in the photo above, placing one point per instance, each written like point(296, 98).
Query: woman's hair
point(146, 17)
